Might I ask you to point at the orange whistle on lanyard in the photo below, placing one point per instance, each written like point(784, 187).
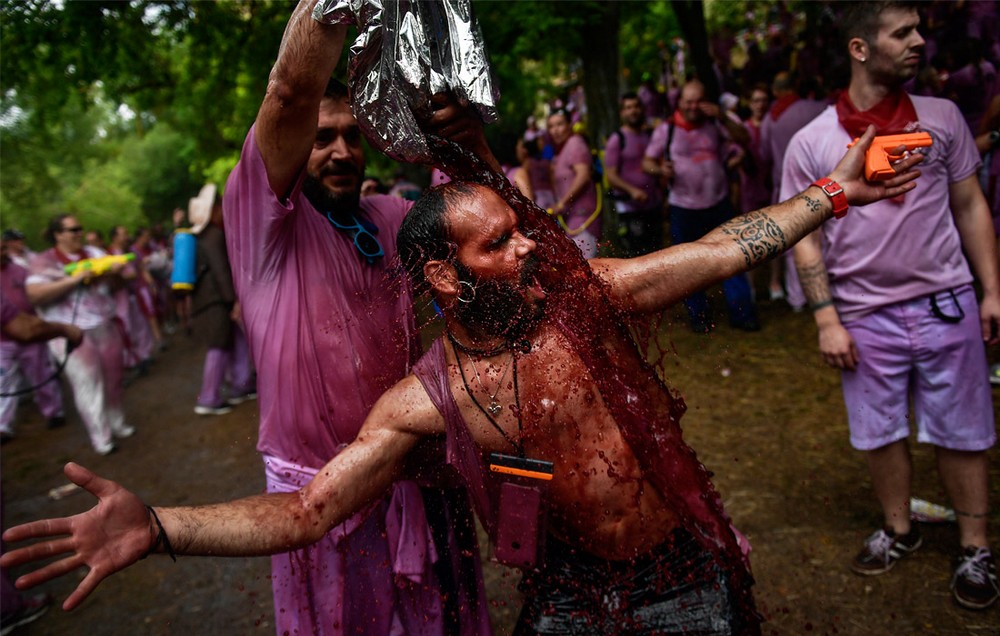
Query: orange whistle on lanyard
point(878, 159)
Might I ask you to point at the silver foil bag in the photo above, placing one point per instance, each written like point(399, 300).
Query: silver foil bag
point(407, 51)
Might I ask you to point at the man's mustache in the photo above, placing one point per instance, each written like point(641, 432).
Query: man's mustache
point(339, 168)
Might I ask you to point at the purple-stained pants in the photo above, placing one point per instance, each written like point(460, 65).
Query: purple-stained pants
point(372, 574)
point(139, 343)
point(32, 362)
point(220, 363)
point(94, 371)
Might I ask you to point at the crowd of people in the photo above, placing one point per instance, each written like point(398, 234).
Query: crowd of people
point(117, 288)
point(345, 396)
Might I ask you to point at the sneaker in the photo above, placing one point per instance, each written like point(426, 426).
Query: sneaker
point(31, 610)
point(106, 449)
point(242, 397)
point(995, 374)
point(124, 431)
point(222, 409)
point(974, 584)
point(883, 549)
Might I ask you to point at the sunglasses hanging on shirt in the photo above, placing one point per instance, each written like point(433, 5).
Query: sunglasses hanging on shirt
point(363, 234)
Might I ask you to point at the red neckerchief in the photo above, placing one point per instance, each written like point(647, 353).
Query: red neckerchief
point(66, 259)
point(682, 123)
point(781, 104)
point(893, 115)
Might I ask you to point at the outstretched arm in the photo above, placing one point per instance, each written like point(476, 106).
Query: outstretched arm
point(120, 530)
point(655, 281)
point(286, 121)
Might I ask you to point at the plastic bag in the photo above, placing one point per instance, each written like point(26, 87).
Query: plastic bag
point(406, 51)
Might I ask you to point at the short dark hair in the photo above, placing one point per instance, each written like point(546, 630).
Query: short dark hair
point(424, 234)
point(54, 227)
point(336, 90)
point(628, 95)
point(860, 19)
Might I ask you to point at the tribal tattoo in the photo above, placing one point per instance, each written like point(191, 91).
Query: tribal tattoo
point(757, 235)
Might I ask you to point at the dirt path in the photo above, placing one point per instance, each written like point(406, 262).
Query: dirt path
point(764, 415)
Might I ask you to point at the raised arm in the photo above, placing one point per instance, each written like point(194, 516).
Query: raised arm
point(120, 530)
point(286, 121)
point(655, 281)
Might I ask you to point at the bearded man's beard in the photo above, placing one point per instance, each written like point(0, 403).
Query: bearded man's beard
point(337, 203)
point(499, 307)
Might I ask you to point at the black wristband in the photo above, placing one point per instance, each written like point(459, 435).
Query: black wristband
point(161, 538)
point(820, 305)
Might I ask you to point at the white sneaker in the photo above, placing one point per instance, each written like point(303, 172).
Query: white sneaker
point(124, 431)
point(212, 410)
point(105, 449)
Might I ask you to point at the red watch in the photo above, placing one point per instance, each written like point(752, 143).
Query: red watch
point(833, 190)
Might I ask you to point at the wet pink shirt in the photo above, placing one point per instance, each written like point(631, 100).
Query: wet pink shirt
point(86, 306)
point(573, 152)
point(328, 336)
point(700, 179)
point(628, 161)
point(890, 251)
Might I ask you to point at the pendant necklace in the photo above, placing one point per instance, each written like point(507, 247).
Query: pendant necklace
point(517, 404)
point(493, 407)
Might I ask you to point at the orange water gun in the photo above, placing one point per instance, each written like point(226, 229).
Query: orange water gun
point(879, 158)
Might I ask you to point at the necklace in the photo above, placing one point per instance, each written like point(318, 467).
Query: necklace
point(493, 407)
point(472, 351)
point(517, 402)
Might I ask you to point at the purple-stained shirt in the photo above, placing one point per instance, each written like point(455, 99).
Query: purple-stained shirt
point(329, 333)
point(86, 306)
point(8, 311)
point(12, 278)
point(700, 179)
point(775, 134)
point(628, 162)
point(573, 152)
point(890, 251)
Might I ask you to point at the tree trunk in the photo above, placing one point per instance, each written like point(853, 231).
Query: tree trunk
point(691, 16)
point(599, 54)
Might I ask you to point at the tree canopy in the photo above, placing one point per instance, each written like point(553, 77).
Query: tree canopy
point(119, 111)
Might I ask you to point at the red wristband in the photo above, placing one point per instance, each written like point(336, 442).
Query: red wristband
point(833, 190)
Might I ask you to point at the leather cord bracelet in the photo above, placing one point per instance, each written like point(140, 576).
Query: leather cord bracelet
point(161, 538)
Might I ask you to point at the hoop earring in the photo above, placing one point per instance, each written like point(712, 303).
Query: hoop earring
point(471, 288)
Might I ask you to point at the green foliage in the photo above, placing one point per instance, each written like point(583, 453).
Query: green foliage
point(120, 110)
point(103, 198)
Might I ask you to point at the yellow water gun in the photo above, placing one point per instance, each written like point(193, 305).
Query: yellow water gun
point(98, 266)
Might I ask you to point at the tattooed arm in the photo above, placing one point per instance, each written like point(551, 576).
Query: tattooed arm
point(655, 281)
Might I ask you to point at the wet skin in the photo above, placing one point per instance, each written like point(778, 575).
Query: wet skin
point(598, 499)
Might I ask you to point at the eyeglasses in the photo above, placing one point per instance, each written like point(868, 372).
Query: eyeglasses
point(74, 230)
point(364, 240)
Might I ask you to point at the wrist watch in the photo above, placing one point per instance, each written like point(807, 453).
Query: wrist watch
point(994, 139)
point(833, 190)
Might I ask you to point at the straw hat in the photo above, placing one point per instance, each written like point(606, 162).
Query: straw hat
point(200, 208)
